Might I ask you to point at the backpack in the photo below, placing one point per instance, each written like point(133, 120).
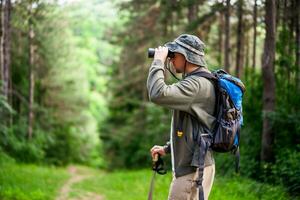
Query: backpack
point(225, 134)
point(228, 110)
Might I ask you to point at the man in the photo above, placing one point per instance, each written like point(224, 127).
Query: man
point(191, 98)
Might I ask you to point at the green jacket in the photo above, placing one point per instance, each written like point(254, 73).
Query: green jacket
point(194, 95)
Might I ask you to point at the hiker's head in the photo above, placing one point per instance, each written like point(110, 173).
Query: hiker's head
point(187, 48)
point(178, 62)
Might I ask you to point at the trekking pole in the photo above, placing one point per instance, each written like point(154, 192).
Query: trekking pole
point(154, 160)
point(157, 167)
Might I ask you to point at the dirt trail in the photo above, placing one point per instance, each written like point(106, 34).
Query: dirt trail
point(77, 176)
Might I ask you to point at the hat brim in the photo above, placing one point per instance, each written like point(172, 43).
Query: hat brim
point(189, 55)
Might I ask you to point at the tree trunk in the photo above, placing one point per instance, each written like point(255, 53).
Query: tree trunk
point(192, 10)
point(278, 14)
point(268, 81)
point(1, 44)
point(227, 37)
point(247, 46)
point(292, 17)
point(291, 14)
point(254, 35)
point(297, 28)
point(5, 58)
point(220, 36)
point(31, 76)
point(240, 41)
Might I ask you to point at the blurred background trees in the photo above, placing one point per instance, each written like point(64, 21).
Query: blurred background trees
point(73, 80)
point(53, 81)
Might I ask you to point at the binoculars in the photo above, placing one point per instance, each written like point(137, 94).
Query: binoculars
point(151, 52)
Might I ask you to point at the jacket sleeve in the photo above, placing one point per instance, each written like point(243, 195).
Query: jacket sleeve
point(178, 96)
point(167, 147)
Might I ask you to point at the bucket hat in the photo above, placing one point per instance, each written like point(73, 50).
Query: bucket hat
point(191, 47)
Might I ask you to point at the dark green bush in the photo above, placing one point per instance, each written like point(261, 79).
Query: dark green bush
point(287, 169)
point(14, 142)
point(59, 145)
point(128, 144)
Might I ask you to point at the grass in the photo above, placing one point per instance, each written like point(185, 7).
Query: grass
point(120, 185)
point(32, 182)
point(29, 182)
point(134, 185)
point(236, 188)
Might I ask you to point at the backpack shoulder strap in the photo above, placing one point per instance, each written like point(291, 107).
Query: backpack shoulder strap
point(213, 77)
point(204, 74)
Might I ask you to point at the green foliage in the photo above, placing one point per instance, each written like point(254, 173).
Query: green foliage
point(4, 106)
point(5, 111)
point(5, 159)
point(126, 185)
point(241, 188)
point(129, 145)
point(70, 82)
point(285, 121)
point(284, 171)
point(14, 141)
point(287, 150)
point(287, 169)
point(29, 182)
point(117, 185)
point(24, 182)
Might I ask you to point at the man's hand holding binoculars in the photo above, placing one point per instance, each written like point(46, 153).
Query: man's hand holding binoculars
point(161, 53)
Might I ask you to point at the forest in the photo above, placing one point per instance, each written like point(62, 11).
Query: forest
point(74, 101)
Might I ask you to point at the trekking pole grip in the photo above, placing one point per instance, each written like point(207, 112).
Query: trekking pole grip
point(155, 158)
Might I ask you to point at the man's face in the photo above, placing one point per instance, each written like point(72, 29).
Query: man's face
point(178, 62)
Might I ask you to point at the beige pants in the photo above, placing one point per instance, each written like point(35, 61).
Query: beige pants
point(184, 187)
